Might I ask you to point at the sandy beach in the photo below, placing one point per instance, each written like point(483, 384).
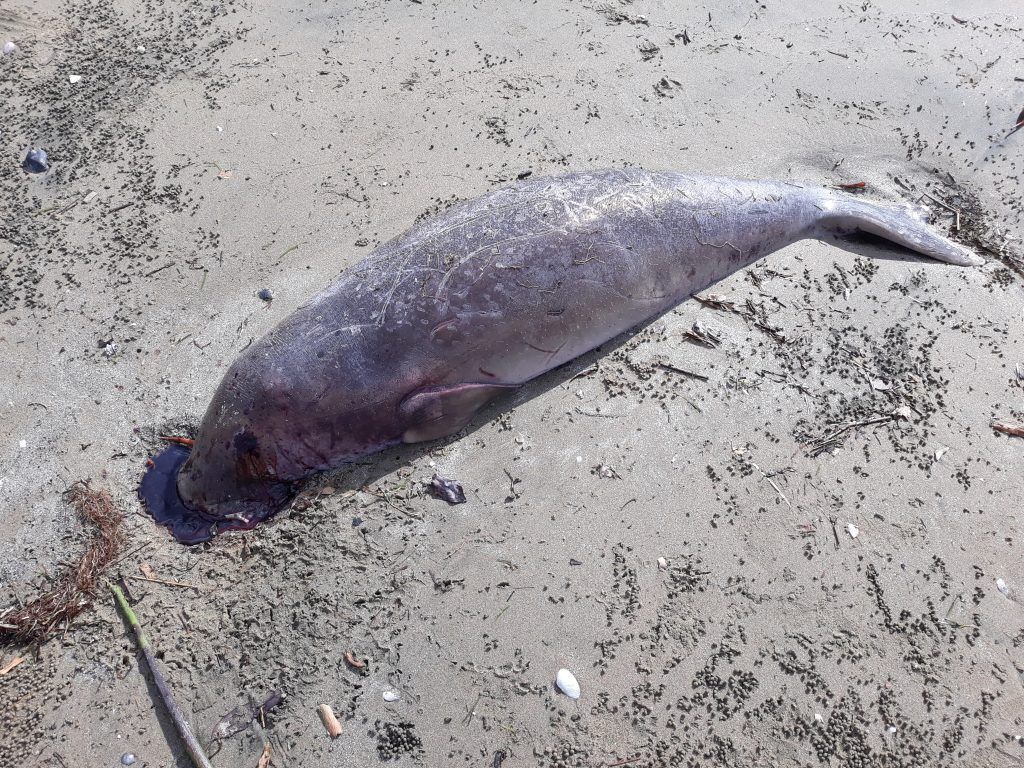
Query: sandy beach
point(746, 567)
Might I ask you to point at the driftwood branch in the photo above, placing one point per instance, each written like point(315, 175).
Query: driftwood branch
point(192, 745)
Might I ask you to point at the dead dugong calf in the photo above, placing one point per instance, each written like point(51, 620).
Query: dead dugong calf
point(409, 343)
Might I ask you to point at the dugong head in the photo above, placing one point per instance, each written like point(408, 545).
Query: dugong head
point(284, 410)
point(235, 473)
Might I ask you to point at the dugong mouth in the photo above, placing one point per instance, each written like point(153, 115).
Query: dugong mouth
point(159, 493)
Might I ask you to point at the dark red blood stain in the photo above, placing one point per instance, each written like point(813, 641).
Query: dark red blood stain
point(159, 494)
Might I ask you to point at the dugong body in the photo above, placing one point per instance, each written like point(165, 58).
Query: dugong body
point(409, 343)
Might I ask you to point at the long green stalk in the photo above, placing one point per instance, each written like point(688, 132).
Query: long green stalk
point(195, 749)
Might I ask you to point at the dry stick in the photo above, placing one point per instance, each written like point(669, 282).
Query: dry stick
point(188, 442)
point(195, 750)
point(816, 447)
point(947, 206)
point(1008, 429)
point(17, 660)
point(168, 583)
point(681, 371)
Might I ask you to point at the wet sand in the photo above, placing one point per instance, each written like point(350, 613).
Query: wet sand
point(210, 150)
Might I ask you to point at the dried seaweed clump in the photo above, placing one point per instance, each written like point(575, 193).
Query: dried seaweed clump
point(73, 591)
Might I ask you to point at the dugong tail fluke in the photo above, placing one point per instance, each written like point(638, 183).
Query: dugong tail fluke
point(409, 343)
point(901, 224)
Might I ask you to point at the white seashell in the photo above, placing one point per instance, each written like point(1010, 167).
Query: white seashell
point(391, 695)
point(74, 78)
point(567, 684)
point(1002, 587)
point(10, 47)
point(853, 530)
point(662, 563)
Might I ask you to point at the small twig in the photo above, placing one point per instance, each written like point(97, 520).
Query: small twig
point(14, 662)
point(584, 372)
point(471, 711)
point(952, 605)
point(819, 446)
point(195, 750)
point(126, 555)
point(626, 761)
point(1008, 429)
point(835, 532)
point(774, 485)
point(682, 371)
point(947, 206)
point(511, 483)
point(167, 582)
point(186, 441)
point(581, 412)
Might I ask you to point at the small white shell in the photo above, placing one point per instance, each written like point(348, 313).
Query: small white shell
point(853, 530)
point(390, 695)
point(567, 684)
point(1002, 587)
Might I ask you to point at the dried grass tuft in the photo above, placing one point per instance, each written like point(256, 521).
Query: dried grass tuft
point(74, 590)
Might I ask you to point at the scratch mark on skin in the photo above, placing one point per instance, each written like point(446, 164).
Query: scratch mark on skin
point(442, 326)
point(626, 296)
point(549, 352)
point(474, 253)
point(696, 229)
point(538, 288)
point(411, 249)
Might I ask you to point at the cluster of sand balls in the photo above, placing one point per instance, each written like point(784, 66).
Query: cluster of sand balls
point(564, 755)
point(395, 739)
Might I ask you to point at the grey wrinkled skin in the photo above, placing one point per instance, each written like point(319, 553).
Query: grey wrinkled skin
point(410, 342)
